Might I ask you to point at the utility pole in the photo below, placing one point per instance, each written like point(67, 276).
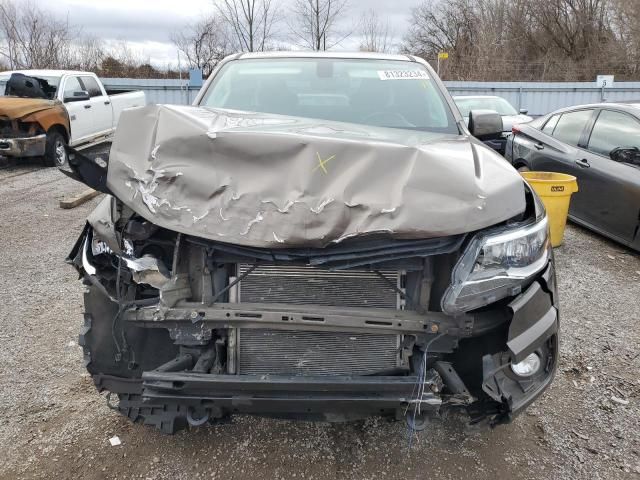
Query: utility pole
point(441, 56)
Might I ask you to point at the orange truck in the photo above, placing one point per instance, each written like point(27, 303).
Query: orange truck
point(43, 111)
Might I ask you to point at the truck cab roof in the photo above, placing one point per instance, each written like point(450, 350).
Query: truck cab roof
point(47, 73)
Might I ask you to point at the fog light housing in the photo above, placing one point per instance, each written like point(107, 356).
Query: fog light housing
point(527, 367)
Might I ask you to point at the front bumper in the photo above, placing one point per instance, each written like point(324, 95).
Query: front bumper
point(471, 354)
point(23, 147)
point(330, 398)
point(533, 327)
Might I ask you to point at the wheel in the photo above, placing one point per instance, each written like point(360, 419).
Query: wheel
point(55, 153)
point(523, 168)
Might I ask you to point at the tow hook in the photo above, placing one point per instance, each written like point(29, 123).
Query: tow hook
point(199, 419)
point(419, 411)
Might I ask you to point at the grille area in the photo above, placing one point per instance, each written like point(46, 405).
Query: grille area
point(300, 285)
point(285, 352)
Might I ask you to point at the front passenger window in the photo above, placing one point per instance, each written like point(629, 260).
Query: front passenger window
point(92, 86)
point(571, 125)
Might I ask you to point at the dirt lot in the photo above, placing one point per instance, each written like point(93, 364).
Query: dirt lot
point(54, 425)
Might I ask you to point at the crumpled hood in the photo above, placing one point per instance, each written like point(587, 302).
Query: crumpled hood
point(274, 181)
point(18, 107)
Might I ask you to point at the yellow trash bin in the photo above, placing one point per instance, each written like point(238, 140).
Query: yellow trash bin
point(555, 190)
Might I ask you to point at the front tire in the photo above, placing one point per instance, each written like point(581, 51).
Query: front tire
point(55, 152)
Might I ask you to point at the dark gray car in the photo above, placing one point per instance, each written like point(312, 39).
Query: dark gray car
point(598, 144)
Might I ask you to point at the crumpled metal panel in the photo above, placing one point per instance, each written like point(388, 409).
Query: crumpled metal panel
point(274, 181)
point(15, 108)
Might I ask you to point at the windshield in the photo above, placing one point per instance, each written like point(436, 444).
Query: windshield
point(42, 87)
point(381, 93)
point(496, 104)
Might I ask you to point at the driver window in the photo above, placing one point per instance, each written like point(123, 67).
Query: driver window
point(614, 130)
point(71, 86)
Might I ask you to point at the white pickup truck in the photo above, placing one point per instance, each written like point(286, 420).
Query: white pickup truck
point(41, 111)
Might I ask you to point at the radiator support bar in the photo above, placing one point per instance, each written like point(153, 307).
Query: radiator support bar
point(301, 317)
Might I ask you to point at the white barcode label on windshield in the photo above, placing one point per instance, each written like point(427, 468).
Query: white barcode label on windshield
point(403, 75)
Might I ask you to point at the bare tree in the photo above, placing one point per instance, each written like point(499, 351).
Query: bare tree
point(88, 53)
point(375, 32)
point(33, 38)
point(441, 26)
point(250, 21)
point(555, 39)
point(203, 43)
point(573, 27)
point(313, 23)
point(121, 60)
point(626, 24)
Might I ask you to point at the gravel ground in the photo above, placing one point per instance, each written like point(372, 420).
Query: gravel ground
point(54, 425)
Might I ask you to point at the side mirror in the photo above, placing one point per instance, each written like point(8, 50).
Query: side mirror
point(485, 124)
point(629, 155)
point(524, 111)
point(80, 96)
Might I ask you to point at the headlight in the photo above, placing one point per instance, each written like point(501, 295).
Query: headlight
point(495, 265)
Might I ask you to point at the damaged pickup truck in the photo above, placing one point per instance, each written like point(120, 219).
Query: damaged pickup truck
point(43, 111)
point(318, 237)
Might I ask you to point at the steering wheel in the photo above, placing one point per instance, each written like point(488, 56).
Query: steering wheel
point(388, 119)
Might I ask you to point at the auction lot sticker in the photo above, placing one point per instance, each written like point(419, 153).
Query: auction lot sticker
point(403, 75)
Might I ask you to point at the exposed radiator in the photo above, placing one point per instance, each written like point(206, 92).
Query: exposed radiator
point(300, 285)
point(287, 352)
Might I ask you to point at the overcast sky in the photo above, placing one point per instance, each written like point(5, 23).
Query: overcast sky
point(147, 24)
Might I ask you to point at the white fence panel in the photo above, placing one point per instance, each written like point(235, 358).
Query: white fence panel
point(157, 90)
point(539, 98)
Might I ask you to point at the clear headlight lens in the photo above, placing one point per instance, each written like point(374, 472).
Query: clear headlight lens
point(496, 265)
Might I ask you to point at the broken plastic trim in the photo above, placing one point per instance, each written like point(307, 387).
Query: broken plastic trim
point(148, 270)
point(86, 265)
point(91, 172)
